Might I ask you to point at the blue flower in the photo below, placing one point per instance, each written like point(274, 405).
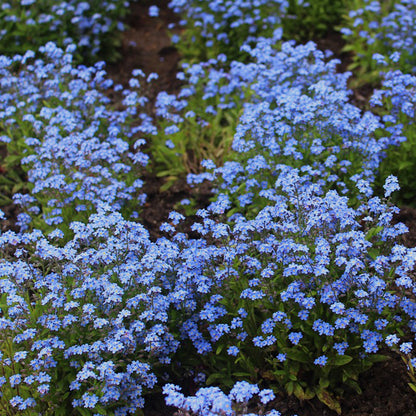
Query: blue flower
point(390, 185)
point(321, 361)
point(295, 337)
point(233, 351)
point(153, 11)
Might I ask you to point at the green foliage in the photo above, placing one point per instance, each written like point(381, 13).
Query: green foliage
point(297, 375)
point(312, 20)
point(401, 162)
point(214, 28)
point(409, 362)
point(14, 174)
point(196, 127)
point(59, 402)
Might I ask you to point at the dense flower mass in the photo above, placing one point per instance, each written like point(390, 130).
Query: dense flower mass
point(77, 151)
point(376, 30)
point(220, 23)
point(293, 278)
point(93, 26)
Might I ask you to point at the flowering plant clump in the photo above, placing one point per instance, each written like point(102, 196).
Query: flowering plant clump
point(94, 26)
point(395, 101)
point(58, 124)
point(200, 122)
point(211, 401)
point(305, 293)
point(298, 115)
point(83, 324)
point(221, 27)
point(380, 28)
point(294, 280)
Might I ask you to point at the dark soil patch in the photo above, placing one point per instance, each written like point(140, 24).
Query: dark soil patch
point(146, 45)
point(407, 216)
point(334, 42)
point(160, 203)
point(11, 212)
point(385, 392)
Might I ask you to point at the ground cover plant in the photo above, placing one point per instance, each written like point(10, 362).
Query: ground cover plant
point(395, 102)
point(59, 127)
point(94, 26)
point(380, 28)
point(292, 281)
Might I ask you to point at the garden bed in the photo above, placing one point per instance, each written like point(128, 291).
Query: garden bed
point(160, 248)
point(385, 386)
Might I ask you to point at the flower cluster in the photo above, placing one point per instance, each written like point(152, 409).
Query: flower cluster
point(305, 265)
point(377, 29)
point(395, 102)
point(93, 26)
point(78, 151)
point(298, 115)
point(199, 123)
point(88, 318)
point(218, 26)
point(212, 401)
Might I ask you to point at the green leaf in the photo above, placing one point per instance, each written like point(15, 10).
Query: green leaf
point(325, 397)
point(405, 164)
point(213, 377)
point(377, 358)
point(293, 377)
point(297, 355)
point(354, 385)
point(242, 374)
point(83, 412)
point(309, 394)
point(323, 382)
point(342, 360)
point(60, 411)
point(290, 387)
point(299, 392)
point(374, 253)
point(372, 232)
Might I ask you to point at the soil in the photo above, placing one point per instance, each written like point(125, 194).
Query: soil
point(146, 45)
point(385, 393)
point(334, 42)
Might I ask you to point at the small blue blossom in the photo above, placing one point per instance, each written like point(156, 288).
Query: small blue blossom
point(233, 351)
point(295, 337)
point(406, 347)
point(390, 185)
point(321, 361)
point(153, 11)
